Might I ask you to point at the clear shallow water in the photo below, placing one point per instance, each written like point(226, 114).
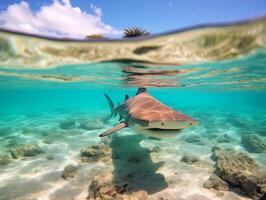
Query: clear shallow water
point(63, 110)
point(32, 116)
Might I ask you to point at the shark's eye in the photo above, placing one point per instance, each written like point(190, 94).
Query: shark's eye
point(162, 123)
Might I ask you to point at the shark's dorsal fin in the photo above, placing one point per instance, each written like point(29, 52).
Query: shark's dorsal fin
point(126, 97)
point(141, 90)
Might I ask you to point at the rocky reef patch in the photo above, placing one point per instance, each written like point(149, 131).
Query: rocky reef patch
point(254, 143)
point(133, 174)
point(27, 150)
point(92, 124)
point(238, 170)
point(5, 159)
point(216, 182)
point(68, 124)
point(96, 153)
point(69, 172)
point(195, 139)
point(103, 187)
point(225, 138)
point(189, 159)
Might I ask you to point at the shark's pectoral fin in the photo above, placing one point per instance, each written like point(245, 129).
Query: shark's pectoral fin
point(114, 129)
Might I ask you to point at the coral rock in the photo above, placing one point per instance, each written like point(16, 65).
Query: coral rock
point(69, 172)
point(91, 125)
point(195, 139)
point(224, 139)
point(96, 153)
point(216, 182)
point(254, 143)
point(103, 188)
point(155, 149)
point(239, 170)
point(189, 159)
point(28, 150)
point(4, 159)
point(67, 124)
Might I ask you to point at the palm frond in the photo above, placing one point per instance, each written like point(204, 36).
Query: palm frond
point(135, 32)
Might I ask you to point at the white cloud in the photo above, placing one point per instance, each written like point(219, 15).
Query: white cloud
point(57, 19)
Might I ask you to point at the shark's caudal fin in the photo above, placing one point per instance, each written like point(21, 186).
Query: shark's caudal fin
point(114, 129)
point(111, 105)
point(141, 90)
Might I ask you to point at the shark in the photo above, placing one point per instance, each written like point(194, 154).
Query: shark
point(146, 115)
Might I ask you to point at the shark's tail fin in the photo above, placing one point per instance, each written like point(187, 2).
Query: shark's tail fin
point(111, 104)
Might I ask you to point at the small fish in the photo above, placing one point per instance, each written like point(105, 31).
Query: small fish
point(145, 114)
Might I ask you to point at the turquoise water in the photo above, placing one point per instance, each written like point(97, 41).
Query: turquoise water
point(62, 110)
point(33, 116)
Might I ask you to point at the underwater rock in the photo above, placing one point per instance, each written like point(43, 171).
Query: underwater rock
point(224, 139)
point(91, 125)
point(52, 138)
point(216, 182)
point(4, 131)
point(102, 187)
point(49, 157)
point(12, 143)
point(69, 172)
point(28, 150)
point(5, 159)
point(189, 159)
point(155, 149)
point(218, 152)
point(254, 143)
point(210, 135)
point(195, 139)
point(48, 140)
point(239, 170)
point(96, 153)
point(67, 124)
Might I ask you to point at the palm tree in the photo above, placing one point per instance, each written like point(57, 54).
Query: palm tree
point(135, 32)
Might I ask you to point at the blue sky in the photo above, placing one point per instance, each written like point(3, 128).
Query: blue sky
point(163, 15)
point(155, 15)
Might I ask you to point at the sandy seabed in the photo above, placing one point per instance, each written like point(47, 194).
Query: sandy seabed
point(134, 162)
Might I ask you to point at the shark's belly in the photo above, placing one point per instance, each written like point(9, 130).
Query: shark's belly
point(159, 133)
point(143, 127)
